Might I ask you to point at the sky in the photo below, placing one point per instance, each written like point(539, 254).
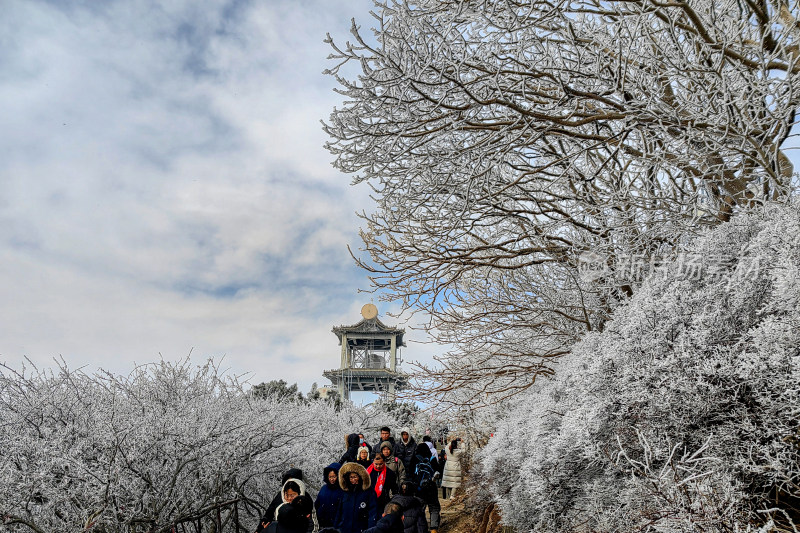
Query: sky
point(164, 189)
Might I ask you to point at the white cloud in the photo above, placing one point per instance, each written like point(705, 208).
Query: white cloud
point(165, 187)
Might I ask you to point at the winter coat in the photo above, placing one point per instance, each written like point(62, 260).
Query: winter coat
point(269, 514)
point(405, 451)
point(391, 523)
point(377, 448)
point(328, 498)
point(428, 490)
point(358, 508)
point(442, 460)
point(303, 492)
point(424, 455)
point(452, 469)
point(289, 520)
point(414, 520)
point(351, 455)
point(390, 487)
point(394, 464)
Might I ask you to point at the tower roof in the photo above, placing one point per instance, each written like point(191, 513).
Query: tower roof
point(368, 327)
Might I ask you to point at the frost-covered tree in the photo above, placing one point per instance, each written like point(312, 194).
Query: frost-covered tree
point(505, 140)
point(404, 412)
point(684, 414)
point(169, 446)
point(278, 389)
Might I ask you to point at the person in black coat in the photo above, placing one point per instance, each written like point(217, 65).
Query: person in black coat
point(383, 480)
point(269, 514)
point(329, 496)
point(352, 441)
point(293, 517)
point(425, 479)
point(358, 508)
point(406, 450)
point(386, 436)
point(391, 522)
point(414, 520)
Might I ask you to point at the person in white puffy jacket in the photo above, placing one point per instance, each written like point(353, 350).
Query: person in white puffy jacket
point(452, 469)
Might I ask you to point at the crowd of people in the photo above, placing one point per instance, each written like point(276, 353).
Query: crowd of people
point(385, 488)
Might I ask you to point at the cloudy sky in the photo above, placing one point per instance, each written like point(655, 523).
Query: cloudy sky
point(164, 189)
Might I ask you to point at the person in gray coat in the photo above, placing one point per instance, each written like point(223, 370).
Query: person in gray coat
point(393, 463)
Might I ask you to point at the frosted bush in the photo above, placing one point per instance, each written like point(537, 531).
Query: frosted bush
point(167, 445)
point(683, 414)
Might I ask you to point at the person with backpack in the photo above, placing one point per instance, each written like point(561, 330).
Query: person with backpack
point(329, 495)
point(393, 463)
point(414, 520)
point(425, 475)
point(358, 508)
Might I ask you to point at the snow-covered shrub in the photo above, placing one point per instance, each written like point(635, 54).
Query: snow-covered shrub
point(684, 413)
point(168, 444)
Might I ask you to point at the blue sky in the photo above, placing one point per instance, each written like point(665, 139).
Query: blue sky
point(163, 186)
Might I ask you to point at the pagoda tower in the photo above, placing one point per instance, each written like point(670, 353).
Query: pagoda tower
point(369, 358)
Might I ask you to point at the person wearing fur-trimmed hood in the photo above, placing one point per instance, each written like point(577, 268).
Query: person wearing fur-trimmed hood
point(358, 508)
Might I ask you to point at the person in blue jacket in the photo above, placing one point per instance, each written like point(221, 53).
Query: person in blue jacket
point(330, 494)
point(358, 508)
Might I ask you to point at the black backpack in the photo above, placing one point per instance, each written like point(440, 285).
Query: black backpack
point(423, 473)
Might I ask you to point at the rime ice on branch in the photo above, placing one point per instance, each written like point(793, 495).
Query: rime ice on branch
point(505, 139)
